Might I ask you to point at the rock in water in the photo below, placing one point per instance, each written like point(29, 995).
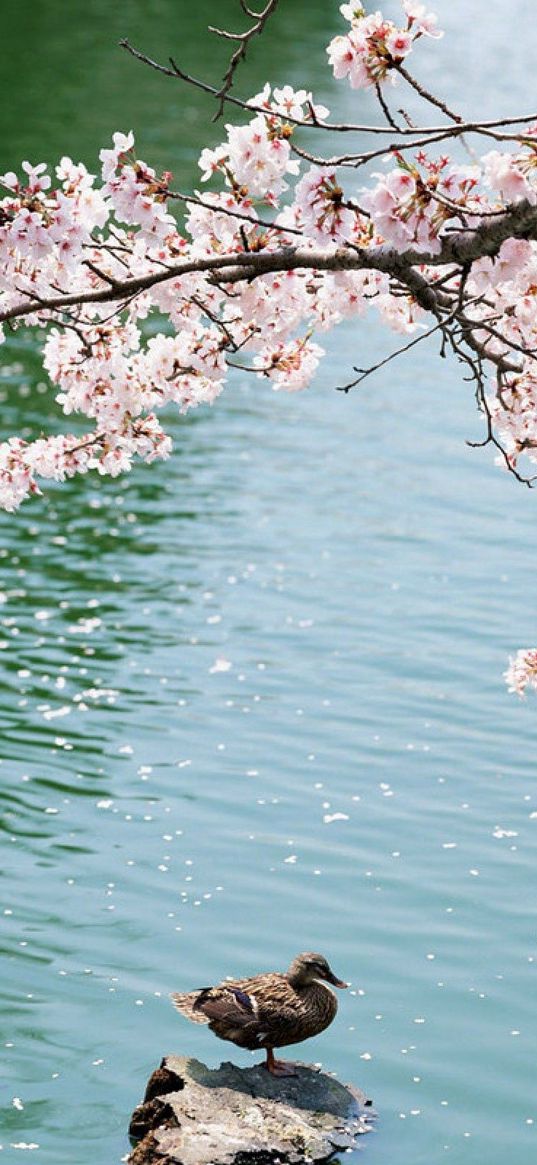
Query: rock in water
point(194, 1115)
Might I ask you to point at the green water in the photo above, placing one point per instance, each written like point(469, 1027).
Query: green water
point(358, 781)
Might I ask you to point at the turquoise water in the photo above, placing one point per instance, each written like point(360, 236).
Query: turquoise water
point(358, 780)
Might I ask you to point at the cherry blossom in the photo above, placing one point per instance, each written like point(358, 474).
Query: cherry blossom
point(90, 235)
point(287, 102)
point(289, 366)
point(256, 156)
point(420, 20)
point(319, 201)
point(370, 53)
point(522, 671)
point(513, 177)
point(110, 159)
point(411, 203)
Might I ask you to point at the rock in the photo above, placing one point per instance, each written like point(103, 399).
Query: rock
point(194, 1115)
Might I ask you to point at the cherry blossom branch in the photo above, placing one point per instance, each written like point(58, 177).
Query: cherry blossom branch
point(491, 438)
point(427, 261)
point(476, 125)
point(355, 161)
point(429, 239)
point(460, 247)
point(239, 214)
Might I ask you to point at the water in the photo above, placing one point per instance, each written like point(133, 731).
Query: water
point(252, 700)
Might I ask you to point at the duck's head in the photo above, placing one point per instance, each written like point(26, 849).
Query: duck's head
point(310, 966)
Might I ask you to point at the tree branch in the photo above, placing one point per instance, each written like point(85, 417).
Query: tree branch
point(239, 215)
point(366, 372)
point(476, 125)
point(243, 39)
point(460, 248)
point(424, 93)
point(385, 108)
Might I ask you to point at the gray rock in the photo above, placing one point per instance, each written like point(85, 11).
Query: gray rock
point(194, 1115)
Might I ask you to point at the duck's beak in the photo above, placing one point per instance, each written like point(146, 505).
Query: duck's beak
point(336, 982)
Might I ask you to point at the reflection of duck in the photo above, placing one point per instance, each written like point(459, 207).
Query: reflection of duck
point(268, 1011)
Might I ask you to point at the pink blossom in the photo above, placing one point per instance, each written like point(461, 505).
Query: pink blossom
point(366, 55)
point(352, 12)
point(343, 56)
point(213, 232)
point(38, 179)
point(401, 314)
point(10, 180)
point(508, 264)
point(211, 162)
point(522, 671)
point(319, 202)
point(135, 195)
point(420, 20)
point(29, 236)
point(258, 159)
point(288, 102)
point(289, 366)
point(399, 43)
point(110, 158)
point(411, 204)
point(505, 173)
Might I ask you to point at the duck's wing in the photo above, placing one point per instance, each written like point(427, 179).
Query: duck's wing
point(186, 1003)
point(269, 994)
point(230, 1001)
point(241, 1003)
point(231, 1014)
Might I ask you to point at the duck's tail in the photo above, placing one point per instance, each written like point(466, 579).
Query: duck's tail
point(186, 1004)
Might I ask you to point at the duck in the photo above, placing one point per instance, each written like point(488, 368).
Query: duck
point(270, 1010)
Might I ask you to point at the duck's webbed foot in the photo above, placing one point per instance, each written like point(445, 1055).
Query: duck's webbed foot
point(279, 1067)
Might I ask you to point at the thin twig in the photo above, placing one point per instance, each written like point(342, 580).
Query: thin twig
point(385, 109)
point(218, 322)
point(423, 92)
point(365, 372)
point(243, 40)
point(112, 282)
point(478, 125)
point(237, 214)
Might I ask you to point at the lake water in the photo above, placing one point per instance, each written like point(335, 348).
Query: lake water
point(357, 780)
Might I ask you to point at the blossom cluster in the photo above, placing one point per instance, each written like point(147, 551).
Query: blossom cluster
point(373, 48)
point(257, 156)
point(522, 671)
point(412, 202)
point(91, 258)
point(63, 456)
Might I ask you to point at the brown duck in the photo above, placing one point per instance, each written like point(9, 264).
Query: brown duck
point(268, 1011)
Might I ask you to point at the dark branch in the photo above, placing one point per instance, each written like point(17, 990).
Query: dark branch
point(243, 40)
point(460, 248)
point(424, 93)
point(477, 125)
point(365, 372)
point(385, 108)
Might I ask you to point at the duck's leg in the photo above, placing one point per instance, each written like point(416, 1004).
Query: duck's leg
point(278, 1067)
